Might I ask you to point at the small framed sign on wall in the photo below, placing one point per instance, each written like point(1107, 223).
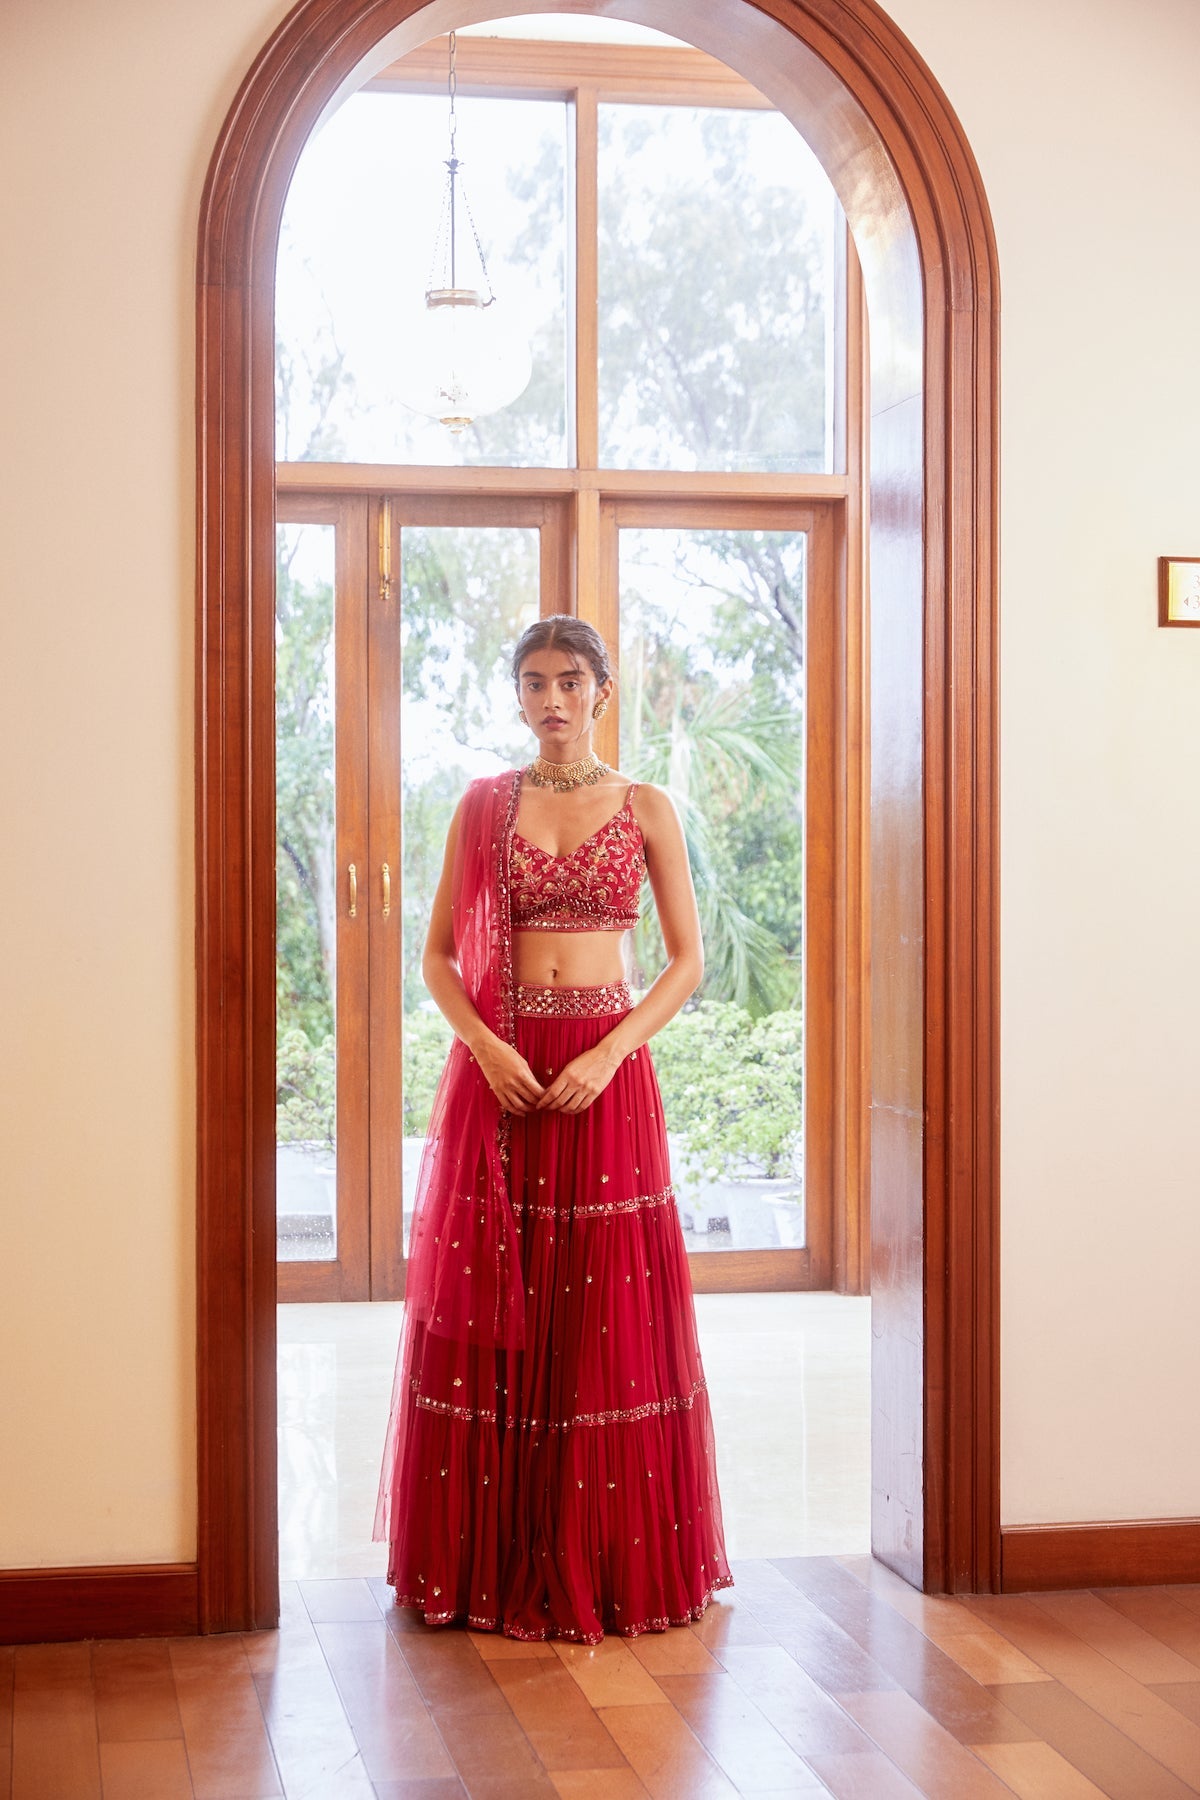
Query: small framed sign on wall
point(1179, 590)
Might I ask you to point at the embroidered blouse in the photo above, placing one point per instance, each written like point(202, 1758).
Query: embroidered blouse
point(596, 888)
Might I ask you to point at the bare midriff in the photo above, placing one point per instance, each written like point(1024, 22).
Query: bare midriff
point(568, 958)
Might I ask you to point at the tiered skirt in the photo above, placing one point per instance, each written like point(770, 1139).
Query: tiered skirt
point(569, 1488)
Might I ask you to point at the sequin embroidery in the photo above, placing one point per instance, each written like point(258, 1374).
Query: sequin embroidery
point(605, 1208)
point(572, 1002)
point(596, 888)
point(617, 1415)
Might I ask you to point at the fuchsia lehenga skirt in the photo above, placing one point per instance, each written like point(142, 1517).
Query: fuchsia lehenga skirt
point(569, 1488)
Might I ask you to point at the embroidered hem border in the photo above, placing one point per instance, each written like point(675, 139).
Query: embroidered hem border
point(621, 1415)
point(605, 1207)
point(602, 1208)
point(474, 1622)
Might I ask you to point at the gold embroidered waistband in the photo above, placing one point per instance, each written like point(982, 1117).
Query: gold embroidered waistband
point(572, 1002)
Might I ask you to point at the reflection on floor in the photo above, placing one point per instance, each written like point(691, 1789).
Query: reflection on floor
point(788, 1376)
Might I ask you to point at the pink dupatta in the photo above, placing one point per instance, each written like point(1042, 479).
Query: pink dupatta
point(464, 1272)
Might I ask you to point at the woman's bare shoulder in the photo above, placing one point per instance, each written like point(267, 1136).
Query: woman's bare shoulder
point(653, 806)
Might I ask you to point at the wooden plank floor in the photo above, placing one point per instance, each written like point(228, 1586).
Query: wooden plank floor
point(814, 1675)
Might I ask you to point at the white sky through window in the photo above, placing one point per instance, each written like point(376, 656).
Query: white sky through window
point(569, 28)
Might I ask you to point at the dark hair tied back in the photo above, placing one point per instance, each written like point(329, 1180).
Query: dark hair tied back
point(562, 631)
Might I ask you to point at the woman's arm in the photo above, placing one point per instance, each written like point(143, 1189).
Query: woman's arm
point(576, 1086)
point(506, 1072)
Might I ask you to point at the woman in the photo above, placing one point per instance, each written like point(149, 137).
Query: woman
point(549, 1468)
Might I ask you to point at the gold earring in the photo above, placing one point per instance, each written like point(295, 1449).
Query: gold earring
point(600, 708)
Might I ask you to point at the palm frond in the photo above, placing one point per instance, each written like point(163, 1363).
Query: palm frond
point(722, 749)
point(724, 752)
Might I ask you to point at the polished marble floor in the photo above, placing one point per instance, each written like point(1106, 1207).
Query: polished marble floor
point(789, 1380)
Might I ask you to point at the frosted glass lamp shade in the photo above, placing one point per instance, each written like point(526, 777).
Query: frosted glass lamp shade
point(458, 360)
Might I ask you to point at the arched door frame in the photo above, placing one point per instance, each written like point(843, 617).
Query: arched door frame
point(905, 174)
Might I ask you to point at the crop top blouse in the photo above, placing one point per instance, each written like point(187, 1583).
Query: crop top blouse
point(596, 888)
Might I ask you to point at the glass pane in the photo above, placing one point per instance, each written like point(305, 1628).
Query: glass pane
point(712, 708)
point(567, 28)
point(354, 258)
point(466, 594)
point(717, 270)
point(305, 906)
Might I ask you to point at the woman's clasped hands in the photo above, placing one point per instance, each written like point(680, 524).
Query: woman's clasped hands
point(571, 1089)
point(587, 1075)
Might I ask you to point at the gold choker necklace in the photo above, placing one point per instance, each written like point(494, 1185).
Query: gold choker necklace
point(562, 777)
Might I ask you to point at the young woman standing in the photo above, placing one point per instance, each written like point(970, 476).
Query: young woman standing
point(549, 1468)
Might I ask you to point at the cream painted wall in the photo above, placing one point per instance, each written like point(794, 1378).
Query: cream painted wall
point(1081, 116)
point(107, 121)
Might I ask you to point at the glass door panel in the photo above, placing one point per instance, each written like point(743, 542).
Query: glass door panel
point(306, 906)
point(361, 220)
point(467, 591)
point(393, 628)
point(719, 262)
point(713, 707)
point(320, 938)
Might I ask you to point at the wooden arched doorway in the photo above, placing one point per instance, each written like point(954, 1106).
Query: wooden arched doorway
point(896, 153)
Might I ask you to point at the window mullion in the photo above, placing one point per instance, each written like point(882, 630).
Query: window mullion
point(586, 301)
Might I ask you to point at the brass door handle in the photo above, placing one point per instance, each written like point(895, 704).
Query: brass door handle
point(353, 891)
point(387, 890)
point(386, 579)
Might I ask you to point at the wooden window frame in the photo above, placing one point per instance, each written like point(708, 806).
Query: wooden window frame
point(601, 500)
point(812, 1265)
point(586, 76)
point(370, 1264)
point(345, 1276)
point(834, 959)
point(548, 515)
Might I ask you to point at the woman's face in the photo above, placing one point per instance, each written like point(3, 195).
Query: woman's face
point(557, 691)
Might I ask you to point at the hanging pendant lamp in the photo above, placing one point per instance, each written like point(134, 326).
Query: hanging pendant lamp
point(459, 359)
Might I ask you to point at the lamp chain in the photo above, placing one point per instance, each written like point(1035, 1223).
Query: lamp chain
point(453, 87)
point(444, 244)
